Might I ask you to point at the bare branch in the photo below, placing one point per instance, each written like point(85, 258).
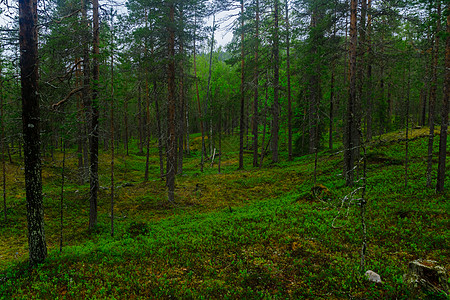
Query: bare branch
point(73, 92)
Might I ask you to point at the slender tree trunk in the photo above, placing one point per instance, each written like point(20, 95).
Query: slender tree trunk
point(255, 122)
point(125, 119)
point(140, 122)
point(147, 103)
point(330, 133)
point(86, 93)
point(61, 204)
point(276, 88)
point(160, 134)
point(242, 115)
point(186, 110)
point(445, 112)
point(208, 91)
point(80, 122)
point(288, 71)
point(265, 124)
point(220, 140)
point(314, 88)
point(2, 124)
point(93, 182)
point(112, 125)
point(351, 138)
point(158, 122)
point(407, 126)
point(433, 96)
point(361, 61)
point(369, 74)
point(29, 65)
point(389, 108)
point(198, 102)
point(147, 126)
point(171, 143)
point(181, 120)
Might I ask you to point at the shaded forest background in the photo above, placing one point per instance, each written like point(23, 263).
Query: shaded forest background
point(298, 78)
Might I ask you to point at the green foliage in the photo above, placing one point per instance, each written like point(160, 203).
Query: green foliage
point(275, 240)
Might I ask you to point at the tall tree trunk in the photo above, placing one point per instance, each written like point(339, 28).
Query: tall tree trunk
point(147, 126)
point(86, 93)
point(80, 122)
point(433, 95)
point(208, 89)
point(242, 115)
point(276, 88)
point(171, 143)
point(220, 141)
point(147, 103)
point(361, 53)
point(445, 112)
point(330, 132)
point(61, 203)
point(159, 129)
point(29, 64)
point(369, 73)
point(93, 182)
point(255, 122)
point(265, 121)
point(351, 137)
point(2, 125)
point(288, 71)
point(126, 124)
point(314, 88)
point(186, 116)
point(140, 121)
point(408, 93)
point(181, 120)
point(200, 116)
point(112, 125)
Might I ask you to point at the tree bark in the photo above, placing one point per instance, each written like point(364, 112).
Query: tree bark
point(171, 143)
point(86, 93)
point(351, 138)
point(445, 112)
point(433, 92)
point(276, 83)
point(28, 39)
point(181, 120)
point(370, 94)
point(93, 136)
point(242, 115)
point(140, 121)
point(255, 120)
point(2, 125)
point(61, 204)
point(288, 71)
point(112, 126)
point(200, 116)
point(208, 89)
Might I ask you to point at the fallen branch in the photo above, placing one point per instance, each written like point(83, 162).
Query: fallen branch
point(73, 92)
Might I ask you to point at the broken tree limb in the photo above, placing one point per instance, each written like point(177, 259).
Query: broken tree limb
point(73, 92)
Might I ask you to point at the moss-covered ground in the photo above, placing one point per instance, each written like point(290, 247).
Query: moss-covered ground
point(258, 233)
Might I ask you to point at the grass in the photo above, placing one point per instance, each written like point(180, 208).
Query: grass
point(251, 234)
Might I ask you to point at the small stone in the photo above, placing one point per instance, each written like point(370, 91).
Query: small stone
point(373, 277)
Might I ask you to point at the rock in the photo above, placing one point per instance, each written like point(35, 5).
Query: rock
point(427, 275)
point(373, 277)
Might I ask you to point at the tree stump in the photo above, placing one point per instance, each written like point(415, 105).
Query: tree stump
point(427, 276)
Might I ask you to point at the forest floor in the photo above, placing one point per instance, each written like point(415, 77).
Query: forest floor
point(269, 232)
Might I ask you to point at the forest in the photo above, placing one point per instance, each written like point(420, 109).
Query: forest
point(142, 157)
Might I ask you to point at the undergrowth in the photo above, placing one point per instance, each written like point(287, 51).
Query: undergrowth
point(251, 234)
